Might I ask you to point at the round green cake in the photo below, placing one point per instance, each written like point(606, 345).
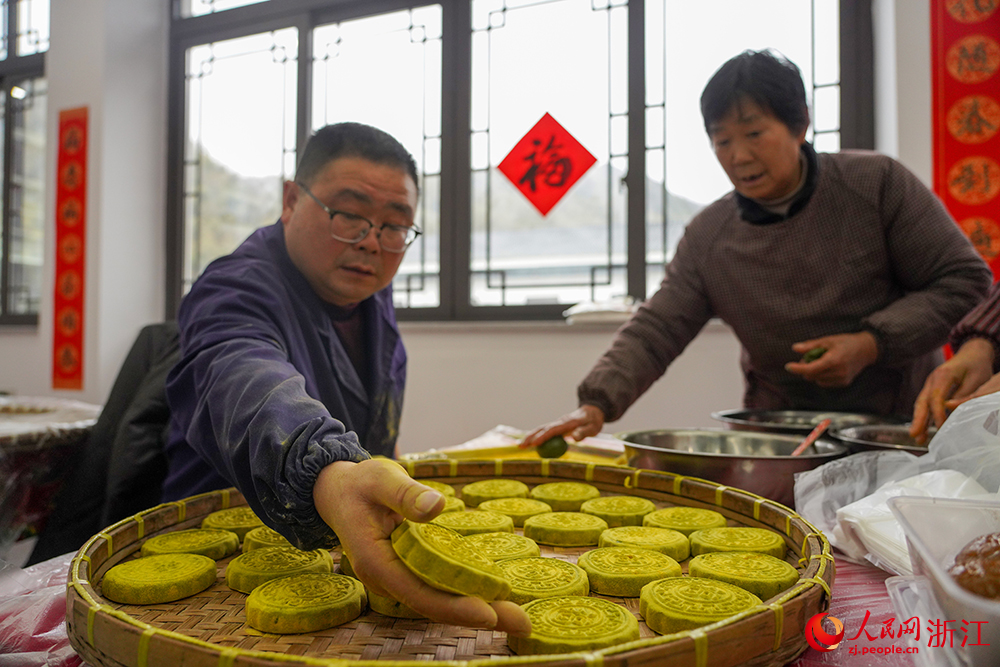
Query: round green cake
point(569, 624)
point(565, 529)
point(518, 509)
point(685, 603)
point(666, 541)
point(739, 538)
point(491, 489)
point(503, 546)
point(619, 510)
point(565, 496)
point(476, 521)
point(442, 559)
point(763, 575)
point(158, 579)
point(253, 568)
point(210, 542)
point(684, 519)
point(623, 571)
point(305, 603)
point(537, 577)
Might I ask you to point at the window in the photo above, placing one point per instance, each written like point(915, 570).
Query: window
point(460, 83)
point(22, 146)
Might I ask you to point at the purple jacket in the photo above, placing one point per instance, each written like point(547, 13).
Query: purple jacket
point(265, 396)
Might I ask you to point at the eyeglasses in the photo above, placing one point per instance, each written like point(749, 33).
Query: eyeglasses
point(352, 228)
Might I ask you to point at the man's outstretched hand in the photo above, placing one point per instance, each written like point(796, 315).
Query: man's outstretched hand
point(363, 503)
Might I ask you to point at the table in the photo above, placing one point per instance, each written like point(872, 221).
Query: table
point(37, 437)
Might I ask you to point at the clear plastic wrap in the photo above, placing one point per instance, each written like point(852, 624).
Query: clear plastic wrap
point(33, 615)
point(846, 498)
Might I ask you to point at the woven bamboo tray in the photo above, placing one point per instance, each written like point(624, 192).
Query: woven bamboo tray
point(209, 629)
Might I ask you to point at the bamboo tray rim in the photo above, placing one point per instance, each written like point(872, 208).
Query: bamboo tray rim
point(814, 555)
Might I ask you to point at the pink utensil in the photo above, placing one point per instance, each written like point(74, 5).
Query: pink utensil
point(812, 437)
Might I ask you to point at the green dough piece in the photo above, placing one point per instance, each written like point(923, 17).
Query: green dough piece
point(623, 571)
point(569, 624)
point(443, 560)
point(537, 577)
point(490, 489)
point(619, 510)
point(669, 542)
point(564, 496)
point(685, 603)
point(740, 538)
point(517, 509)
point(503, 546)
point(262, 536)
point(478, 521)
point(158, 579)
point(565, 529)
point(684, 519)
point(763, 575)
point(253, 568)
point(209, 542)
point(305, 603)
point(240, 520)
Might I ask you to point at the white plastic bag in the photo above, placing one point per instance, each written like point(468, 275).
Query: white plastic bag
point(846, 498)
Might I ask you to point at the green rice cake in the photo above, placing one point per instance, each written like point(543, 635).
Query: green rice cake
point(666, 541)
point(565, 529)
point(684, 519)
point(503, 546)
point(453, 504)
point(619, 510)
point(623, 571)
point(574, 623)
point(443, 560)
point(517, 509)
point(263, 536)
point(740, 538)
point(446, 490)
point(158, 579)
point(240, 520)
point(388, 606)
point(763, 575)
point(564, 496)
point(478, 521)
point(490, 489)
point(210, 542)
point(685, 603)
point(253, 568)
point(535, 578)
point(305, 603)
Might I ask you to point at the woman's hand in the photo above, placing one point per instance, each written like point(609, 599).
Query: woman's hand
point(584, 422)
point(965, 376)
point(363, 503)
point(846, 355)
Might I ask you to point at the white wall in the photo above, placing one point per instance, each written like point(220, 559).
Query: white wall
point(463, 378)
point(111, 56)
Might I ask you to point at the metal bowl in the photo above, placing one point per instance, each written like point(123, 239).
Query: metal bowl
point(794, 421)
point(759, 463)
point(880, 437)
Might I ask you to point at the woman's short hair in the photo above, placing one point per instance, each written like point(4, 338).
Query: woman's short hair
point(772, 81)
point(352, 140)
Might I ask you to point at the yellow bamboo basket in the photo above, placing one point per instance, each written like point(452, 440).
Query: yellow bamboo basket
point(209, 629)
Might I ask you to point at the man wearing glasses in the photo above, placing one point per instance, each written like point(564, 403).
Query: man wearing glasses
point(292, 371)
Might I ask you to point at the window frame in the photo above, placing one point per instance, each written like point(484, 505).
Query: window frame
point(856, 129)
point(14, 69)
